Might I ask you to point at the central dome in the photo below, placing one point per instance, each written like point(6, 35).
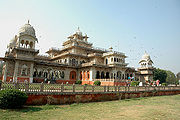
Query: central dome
point(27, 29)
point(79, 32)
point(146, 56)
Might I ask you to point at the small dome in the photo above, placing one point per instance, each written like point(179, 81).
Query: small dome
point(79, 32)
point(13, 40)
point(27, 29)
point(146, 56)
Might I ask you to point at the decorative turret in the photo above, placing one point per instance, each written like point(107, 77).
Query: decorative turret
point(146, 61)
point(27, 36)
point(13, 43)
point(78, 36)
point(23, 43)
point(146, 69)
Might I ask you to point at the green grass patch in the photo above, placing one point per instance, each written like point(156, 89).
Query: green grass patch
point(147, 108)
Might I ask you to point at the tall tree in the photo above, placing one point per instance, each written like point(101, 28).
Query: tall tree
point(171, 78)
point(159, 74)
point(1, 67)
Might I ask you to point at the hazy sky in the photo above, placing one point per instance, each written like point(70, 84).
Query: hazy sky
point(129, 26)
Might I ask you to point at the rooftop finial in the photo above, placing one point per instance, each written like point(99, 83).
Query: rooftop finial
point(28, 21)
point(78, 28)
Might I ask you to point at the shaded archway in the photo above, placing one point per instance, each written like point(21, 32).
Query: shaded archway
point(107, 75)
point(102, 75)
point(106, 61)
point(119, 75)
point(88, 75)
point(72, 75)
point(97, 75)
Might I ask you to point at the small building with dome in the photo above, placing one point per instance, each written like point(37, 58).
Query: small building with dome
point(78, 59)
point(146, 69)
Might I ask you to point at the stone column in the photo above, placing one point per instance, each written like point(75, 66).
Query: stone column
point(15, 71)
point(5, 72)
point(92, 74)
point(31, 73)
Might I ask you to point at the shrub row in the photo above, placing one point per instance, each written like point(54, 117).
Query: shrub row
point(10, 99)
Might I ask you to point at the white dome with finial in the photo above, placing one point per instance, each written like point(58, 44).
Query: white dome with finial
point(146, 56)
point(27, 29)
point(79, 32)
point(146, 60)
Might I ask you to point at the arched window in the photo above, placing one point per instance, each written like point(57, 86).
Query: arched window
point(114, 75)
point(88, 75)
point(102, 75)
point(24, 70)
point(106, 61)
point(73, 62)
point(119, 74)
point(65, 61)
point(62, 75)
point(27, 43)
point(107, 75)
point(31, 44)
point(35, 73)
point(40, 74)
point(111, 75)
point(45, 74)
point(97, 75)
point(22, 43)
point(72, 75)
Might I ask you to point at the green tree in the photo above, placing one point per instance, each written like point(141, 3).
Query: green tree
point(1, 67)
point(171, 78)
point(159, 74)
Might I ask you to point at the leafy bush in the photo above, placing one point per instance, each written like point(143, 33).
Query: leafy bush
point(78, 82)
point(164, 84)
point(12, 98)
point(134, 83)
point(97, 83)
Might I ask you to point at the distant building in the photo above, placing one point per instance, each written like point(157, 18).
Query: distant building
point(77, 60)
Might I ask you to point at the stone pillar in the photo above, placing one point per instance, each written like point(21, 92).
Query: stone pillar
point(15, 71)
point(92, 74)
point(31, 73)
point(5, 72)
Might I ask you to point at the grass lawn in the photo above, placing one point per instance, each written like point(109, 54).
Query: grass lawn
point(149, 108)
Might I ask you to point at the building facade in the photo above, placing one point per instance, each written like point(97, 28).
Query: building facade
point(77, 60)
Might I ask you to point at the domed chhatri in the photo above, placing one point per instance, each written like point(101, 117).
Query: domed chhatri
point(27, 29)
point(146, 56)
point(79, 32)
point(146, 68)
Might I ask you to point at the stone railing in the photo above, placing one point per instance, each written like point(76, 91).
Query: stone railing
point(64, 88)
point(111, 80)
point(94, 54)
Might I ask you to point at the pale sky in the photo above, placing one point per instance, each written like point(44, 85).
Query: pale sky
point(129, 26)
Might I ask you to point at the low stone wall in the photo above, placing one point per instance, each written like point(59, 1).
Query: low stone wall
point(106, 83)
point(57, 98)
point(40, 80)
